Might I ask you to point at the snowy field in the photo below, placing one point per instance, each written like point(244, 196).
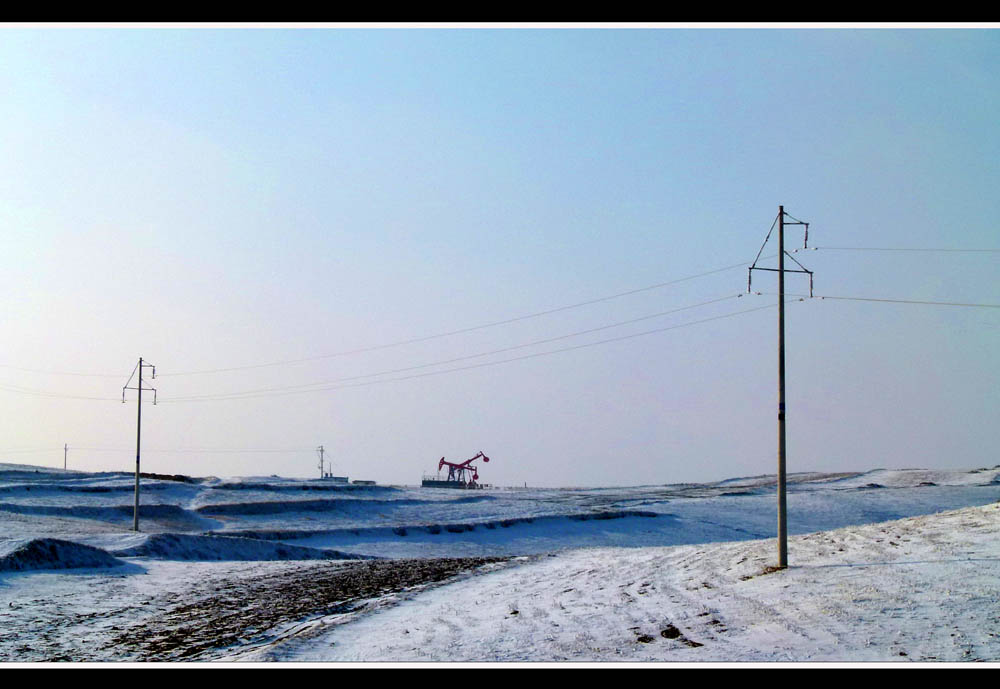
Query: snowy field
point(900, 565)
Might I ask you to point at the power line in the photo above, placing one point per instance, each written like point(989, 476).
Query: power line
point(324, 385)
point(466, 357)
point(892, 301)
point(235, 396)
point(896, 248)
point(399, 343)
point(162, 450)
point(462, 330)
point(915, 301)
point(60, 373)
point(196, 449)
point(30, 451)
point(45, 393)
point(477, 327)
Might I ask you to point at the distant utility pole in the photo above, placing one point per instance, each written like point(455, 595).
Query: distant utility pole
point(782, 502)
point(138, 432)
point(65, 452)
point(320, 451)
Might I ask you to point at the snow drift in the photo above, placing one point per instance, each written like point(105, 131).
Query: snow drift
point(405, 530)
point(53, 553)
point(174, 546)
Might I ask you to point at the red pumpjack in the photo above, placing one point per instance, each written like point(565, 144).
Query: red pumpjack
point(456, 472)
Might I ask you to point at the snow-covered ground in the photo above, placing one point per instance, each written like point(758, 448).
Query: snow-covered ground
point(897, 565)
point(916, 589)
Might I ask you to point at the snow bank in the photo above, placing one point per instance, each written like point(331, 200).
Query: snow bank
point(321, 505)
point(173, 514)
point(404, 530)
point(912, 478)
point(9, 470)
point(81, 487)
point(52, 553)
point(876, 478)
point(299, 486)
point(173, 546)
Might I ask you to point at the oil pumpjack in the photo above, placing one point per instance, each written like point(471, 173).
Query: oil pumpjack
point(461, 475)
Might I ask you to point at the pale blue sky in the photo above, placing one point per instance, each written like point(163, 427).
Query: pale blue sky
point(212, 198)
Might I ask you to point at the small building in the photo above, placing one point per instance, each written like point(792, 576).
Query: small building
point(437, 482)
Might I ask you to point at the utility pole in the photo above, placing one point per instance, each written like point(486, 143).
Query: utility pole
point(782, 499)
point(138, 429)
point(782, 503)
point(320, 450)
point(65, 452)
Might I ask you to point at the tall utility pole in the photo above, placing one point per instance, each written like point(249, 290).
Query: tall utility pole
point(138, 429)
point(65, 452)
point(782, 516)
point(782, 500)
point(320, 451)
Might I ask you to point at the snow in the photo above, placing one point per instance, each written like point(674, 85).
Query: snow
point(885, 565)
point(52, 553)
point(191, 547)
point(922, 588)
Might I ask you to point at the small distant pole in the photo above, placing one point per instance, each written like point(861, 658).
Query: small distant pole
point(138, 430)
point(138, 444)
point(65, 452)
point(320, 450)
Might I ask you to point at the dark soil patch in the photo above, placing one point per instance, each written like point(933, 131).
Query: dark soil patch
point(245, 608)
point(671, 632)
point(169, 477)
point(767, 570)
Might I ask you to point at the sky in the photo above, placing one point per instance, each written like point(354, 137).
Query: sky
point(297, 225)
